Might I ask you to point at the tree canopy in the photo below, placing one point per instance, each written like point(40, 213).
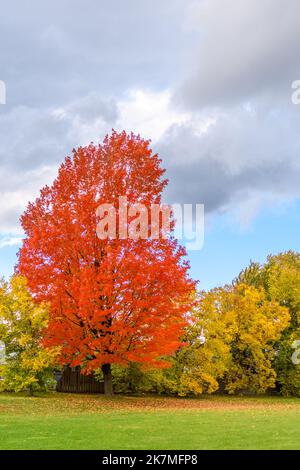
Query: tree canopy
point(26, 365)
point(111, 301)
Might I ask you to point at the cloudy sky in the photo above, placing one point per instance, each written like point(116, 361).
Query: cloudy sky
point(209, 81)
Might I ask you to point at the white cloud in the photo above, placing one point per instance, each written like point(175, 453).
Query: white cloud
point(10, 241)
point(149, 113)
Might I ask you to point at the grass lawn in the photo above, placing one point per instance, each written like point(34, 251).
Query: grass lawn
point(63, 421)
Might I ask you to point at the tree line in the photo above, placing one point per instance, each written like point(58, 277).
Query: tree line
point(126, 309)
point(238, 339)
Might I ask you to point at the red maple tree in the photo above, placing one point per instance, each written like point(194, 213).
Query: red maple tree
point(114, 300)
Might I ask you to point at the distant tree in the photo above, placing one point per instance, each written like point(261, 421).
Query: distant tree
point(230, 342)
point(251, 275)
point(2, 353)
point(26, 365)
point(238, 327)
point(113, 301)
point(280, 278)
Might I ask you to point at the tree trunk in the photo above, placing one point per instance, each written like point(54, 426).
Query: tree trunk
point(108, 387)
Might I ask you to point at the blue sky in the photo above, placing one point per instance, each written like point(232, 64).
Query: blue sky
point(221, 118)
point(228, 248)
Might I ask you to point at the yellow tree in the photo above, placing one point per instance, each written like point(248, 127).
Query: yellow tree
point(27, 365)
point(231, 341)
point(238, 326)
point(258, 326)
point(206, 356)
point(280, 278)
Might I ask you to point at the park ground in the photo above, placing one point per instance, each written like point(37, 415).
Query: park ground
point(64, 421)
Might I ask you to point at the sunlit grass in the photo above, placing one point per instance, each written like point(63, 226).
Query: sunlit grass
point(61, 421)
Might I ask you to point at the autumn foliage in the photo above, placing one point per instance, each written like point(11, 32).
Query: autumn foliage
point(114, 300)
point(230, 346)
point(25, 363)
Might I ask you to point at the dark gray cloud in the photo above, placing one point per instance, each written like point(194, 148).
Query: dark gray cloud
point(240, 72)
point(56, 50)
point(242, 155)
point(33, 137)
point(34, 141)
point(247, 49)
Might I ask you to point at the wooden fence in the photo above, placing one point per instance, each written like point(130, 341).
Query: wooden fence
point(72, 381)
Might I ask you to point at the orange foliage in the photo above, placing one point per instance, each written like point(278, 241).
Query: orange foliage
point(112, 301)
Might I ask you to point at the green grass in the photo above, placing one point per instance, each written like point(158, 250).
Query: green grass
point(59, 421)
